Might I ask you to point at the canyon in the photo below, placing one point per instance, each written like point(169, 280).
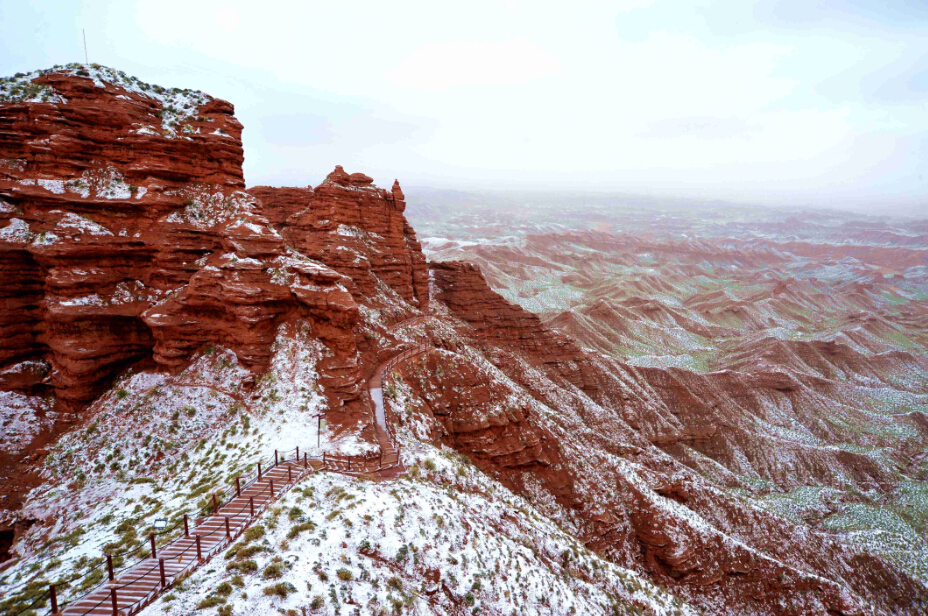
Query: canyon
point(676, 411)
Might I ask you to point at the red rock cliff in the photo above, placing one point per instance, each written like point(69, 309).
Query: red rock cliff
point(93, 164)
point(462, 287)
point(126, 235)
point(356, 228)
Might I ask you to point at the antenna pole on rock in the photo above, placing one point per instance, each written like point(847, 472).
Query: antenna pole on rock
point(84, 32)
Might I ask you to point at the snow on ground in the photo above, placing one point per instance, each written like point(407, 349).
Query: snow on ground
point(157, 447)
point(178, 105)
point(20, 89)
point(75, 223)
point(445, 538)
point(108, 183)
point(17, 232)
point(21, 416)
point(204, 209)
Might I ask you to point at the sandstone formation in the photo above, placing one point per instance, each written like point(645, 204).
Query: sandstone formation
point(92, 168)
point(128, 236)
point(355, 228)
point(462, 287)
point(625, 498)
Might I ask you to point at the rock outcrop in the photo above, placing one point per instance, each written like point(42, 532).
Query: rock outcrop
point(92, 167)
point(354, 227)
point(127, 236)
point(462, 287)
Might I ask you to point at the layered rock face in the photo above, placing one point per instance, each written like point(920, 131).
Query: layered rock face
point(92, 165)
point(462, 287)
point(127, 235)
point(356, 228)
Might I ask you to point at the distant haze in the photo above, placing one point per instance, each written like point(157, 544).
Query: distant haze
point(781, 102)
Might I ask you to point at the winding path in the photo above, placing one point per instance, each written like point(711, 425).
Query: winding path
point(382, 430)
point(375, 386)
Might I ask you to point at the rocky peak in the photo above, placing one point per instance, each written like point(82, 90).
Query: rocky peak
point(338, 176)
point(356, 228)
point(398, 195)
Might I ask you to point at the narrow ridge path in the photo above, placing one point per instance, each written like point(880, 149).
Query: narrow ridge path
point(384, 434)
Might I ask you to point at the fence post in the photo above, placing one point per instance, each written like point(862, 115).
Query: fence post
point(199, 549)
point(115, 604)
point(259, 469)
point(164, 579)
point(238, 486)
point(154, 554)
point(186, 527)
point(289, 474)
point(251, 503)
point(228, 530)
point(275, 458)
point(215, 504)
point(305, 461)
point(298, 454)
point(323, 459)
point(54, 598)
point(272, 488)
point(109, 567)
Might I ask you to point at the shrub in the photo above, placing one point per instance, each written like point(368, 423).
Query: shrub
point(294, 513)
point(245, 566)
point(91, 580)
point(210, 601)
point(344, 575)
point(429, 465)
point(254, 533)
point(469, 599)
point(395, 582)
point(237, 581)
point(317, 602)
point(224, 589)
point(295, 531)
point(225, 610)
point(122, 394)
point(273, 572)
point(244, 552)
point(280, 589)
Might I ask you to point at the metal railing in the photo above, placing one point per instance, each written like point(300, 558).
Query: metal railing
point(351, 465)
point(210, 511)
point(386, 372)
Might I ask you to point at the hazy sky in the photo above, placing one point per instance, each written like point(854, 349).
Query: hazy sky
point(781, 102)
